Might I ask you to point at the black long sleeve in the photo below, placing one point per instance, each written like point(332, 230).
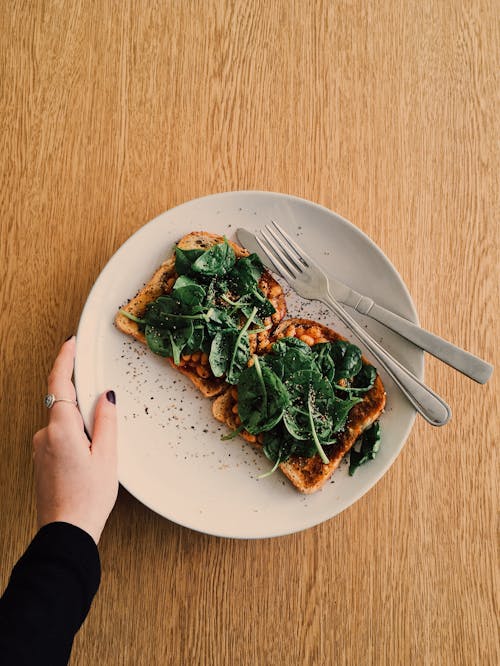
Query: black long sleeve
point(48, 597)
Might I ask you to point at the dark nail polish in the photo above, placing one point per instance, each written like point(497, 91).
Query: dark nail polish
point(69, 338)
point(110, 395)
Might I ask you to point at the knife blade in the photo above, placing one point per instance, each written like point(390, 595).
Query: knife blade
point(463, 361)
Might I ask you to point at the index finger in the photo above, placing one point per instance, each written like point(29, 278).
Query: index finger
point(60, 377)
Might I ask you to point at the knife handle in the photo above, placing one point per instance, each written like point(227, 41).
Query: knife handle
point(457, 358)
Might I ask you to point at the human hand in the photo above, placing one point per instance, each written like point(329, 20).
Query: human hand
point(76, 480)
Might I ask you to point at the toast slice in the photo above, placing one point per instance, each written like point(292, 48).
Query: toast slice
point(196, 366)
point(310, 474)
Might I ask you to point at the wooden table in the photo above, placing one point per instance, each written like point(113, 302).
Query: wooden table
point(113, 112)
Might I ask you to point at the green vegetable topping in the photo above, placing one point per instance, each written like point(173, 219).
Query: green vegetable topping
point(298, 397)
point(365, 448)
point(213, 304)
point(291, 396)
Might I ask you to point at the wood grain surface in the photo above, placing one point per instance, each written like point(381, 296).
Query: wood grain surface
point(387, 113)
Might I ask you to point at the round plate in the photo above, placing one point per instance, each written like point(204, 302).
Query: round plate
point(171, 456)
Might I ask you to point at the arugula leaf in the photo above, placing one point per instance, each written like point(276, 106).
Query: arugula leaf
point(365, 448)
point(217, 260)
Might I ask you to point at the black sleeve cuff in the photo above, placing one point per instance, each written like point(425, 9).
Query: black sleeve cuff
point(72, 547)
point(48, 596)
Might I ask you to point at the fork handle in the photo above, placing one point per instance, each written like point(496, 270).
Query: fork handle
point(427, 403)
point(445, 351)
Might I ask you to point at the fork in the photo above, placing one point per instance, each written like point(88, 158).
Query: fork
point(309, 280)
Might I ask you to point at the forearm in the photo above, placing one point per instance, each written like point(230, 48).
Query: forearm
point(48, 596)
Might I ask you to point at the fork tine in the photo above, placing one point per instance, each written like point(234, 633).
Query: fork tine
point(278, 247)
point(280, 267)
point(301, 254)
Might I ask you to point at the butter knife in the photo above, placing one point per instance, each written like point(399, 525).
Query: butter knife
point(457, 358)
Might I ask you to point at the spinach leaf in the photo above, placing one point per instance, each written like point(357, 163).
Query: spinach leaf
point(262, 398)
point(184, 259)
point(313, 419)
point(281, 347)
point(339, 411)
point(247, 272)
point(324, 359)
point(169, 342)
point(279, 445)
point(289, 356)
point(364, 380)
point(244, 279)
point(220, 350)
point(217, 260)
point(241, 352)
point(346, 358)
point(199, 341)
point(311, 397)
point(365, 448)
point(188, 292)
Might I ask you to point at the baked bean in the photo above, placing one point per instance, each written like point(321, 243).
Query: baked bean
point(300, 330)
point(204, 358)
point(260, 438)
point(290, 331)
point(195, 357)
point(186, 357)
point(237, 420)
point(307, 339)
point(234, 393)
point(321, 339)
point(314, 332)
point(202, 371)
point(234, 408)
point(169, 284)
point(251, 438)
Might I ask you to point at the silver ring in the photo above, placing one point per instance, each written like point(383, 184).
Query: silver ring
point(50, 400)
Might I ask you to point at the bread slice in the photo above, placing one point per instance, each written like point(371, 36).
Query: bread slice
point(310, 474)
point(162, 282)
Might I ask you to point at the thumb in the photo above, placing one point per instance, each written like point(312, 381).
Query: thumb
point(104, 435)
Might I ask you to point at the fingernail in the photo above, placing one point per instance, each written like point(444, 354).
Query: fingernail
point(68, 338)
point(110, 395)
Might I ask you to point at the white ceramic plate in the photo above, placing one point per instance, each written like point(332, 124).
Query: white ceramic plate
point(171, 456)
